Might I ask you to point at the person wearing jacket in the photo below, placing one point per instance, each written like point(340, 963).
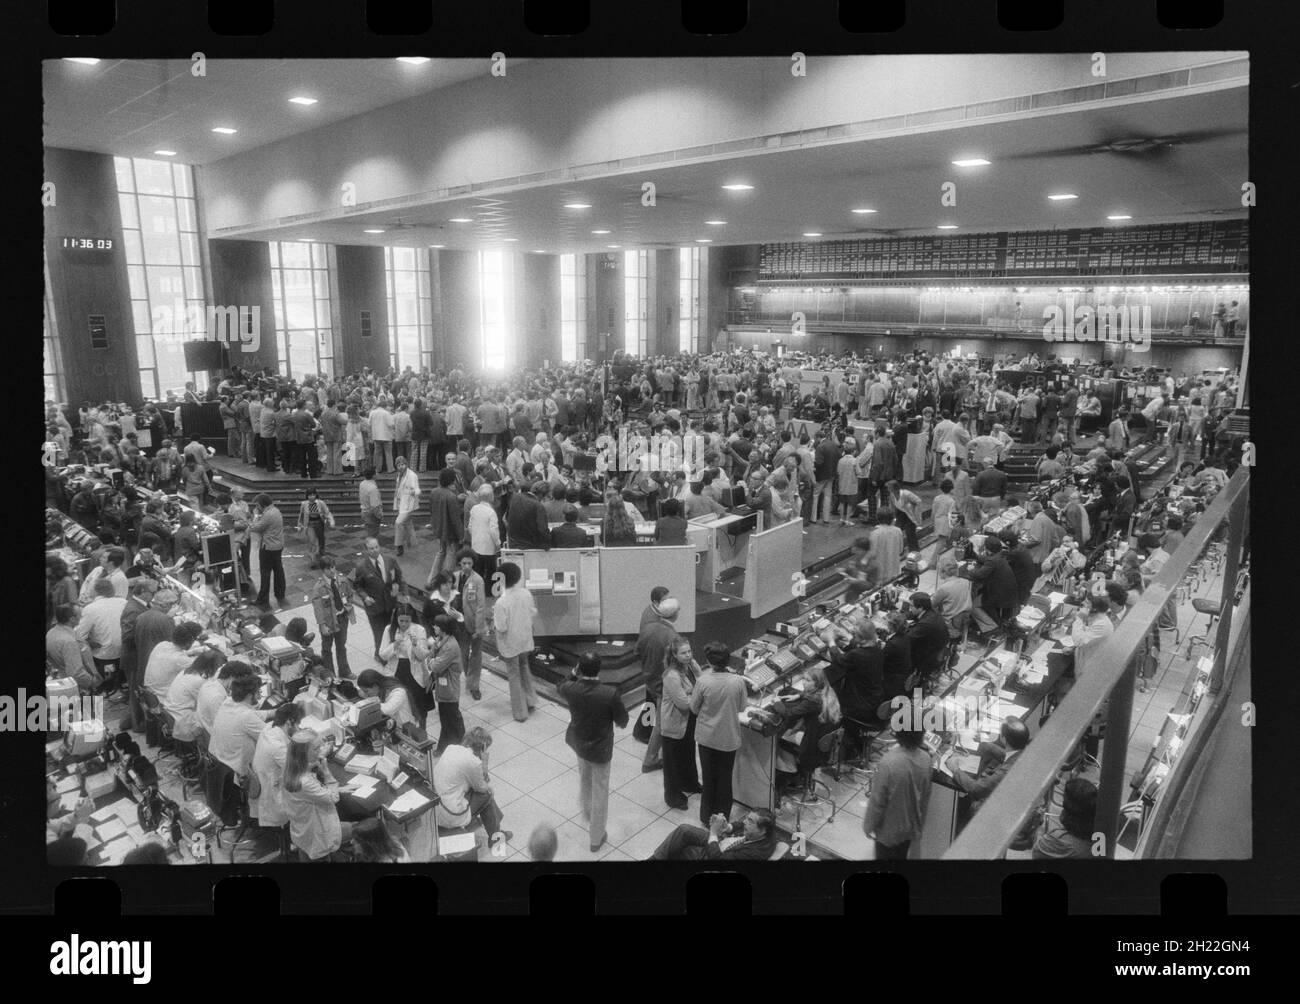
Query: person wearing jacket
point(526, 523)
point(310, 797)
point(883, 469)
point(811, 711)
point(751, 839)
point(332, 603)
point(406, 502)
point(512, 620)
point(471, 602)
point(595, 710)
point(445, 671)
point(313, 516)
point(717, 701)
point(484, 532)
point(404, 654)
point(1000, 594)
point(269, 757)
point(446, 525)
point(677, 724)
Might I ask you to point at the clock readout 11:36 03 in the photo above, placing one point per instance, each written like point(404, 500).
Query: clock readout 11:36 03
point(88, 243)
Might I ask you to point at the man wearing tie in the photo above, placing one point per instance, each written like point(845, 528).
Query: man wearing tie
point(377, 581)
point(471, 601)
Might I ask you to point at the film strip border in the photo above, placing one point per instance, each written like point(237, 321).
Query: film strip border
point(717, 23)
point(582, 28)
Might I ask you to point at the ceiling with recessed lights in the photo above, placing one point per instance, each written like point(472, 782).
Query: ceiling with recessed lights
point(132, 107)
point(1159, 157)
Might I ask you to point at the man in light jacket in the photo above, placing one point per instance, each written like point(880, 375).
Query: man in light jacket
point(471, 601)
point(381, 434)
point(512, 619)
point(406, 501)
point(717, 701)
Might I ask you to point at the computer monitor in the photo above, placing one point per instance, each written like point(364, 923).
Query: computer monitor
point(733, 496)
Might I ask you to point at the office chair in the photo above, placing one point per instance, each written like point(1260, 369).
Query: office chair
point(828, 746)
point(1203, 605)
point(1133, 812)
point(865, 733)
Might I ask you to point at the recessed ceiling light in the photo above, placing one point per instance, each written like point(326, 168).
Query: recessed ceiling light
point(860, 211)
point(439, 246)
point(460, 219)
point(972, 162)
point(715, 223)
point(302, 101)
point(374, 231)
point(613, 245)
point(600, 231)
point(164, 153)
point(577, 205)
point(813, 233)
point(539, 251)
point(738, 187)
point(1119, 216)
point(413, 60)
point(1063, 197)
point(510, 240)
point(306, 240)
point(224, 130)
point(703, 240)
point(83, 60)
point(947, 226)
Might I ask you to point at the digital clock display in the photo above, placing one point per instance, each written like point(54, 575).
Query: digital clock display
point(88, 243)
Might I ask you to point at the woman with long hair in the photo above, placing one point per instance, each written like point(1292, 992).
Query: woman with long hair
point(310, 797)
point(677, 724)
point(372, 842)
point(811, 713)
point(617, 528)
point(403, 652)
point(393, 698)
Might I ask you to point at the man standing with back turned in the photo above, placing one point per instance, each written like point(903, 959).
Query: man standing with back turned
point(594, 711)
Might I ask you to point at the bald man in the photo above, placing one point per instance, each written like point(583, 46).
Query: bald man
point(995, 760)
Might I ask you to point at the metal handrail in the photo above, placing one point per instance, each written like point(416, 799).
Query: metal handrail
point(1001, 817)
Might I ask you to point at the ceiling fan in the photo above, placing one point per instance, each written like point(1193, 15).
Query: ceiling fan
point(1135, 147)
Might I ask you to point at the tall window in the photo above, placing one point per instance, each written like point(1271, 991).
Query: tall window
point(573, 308)
point(410, 308)
point(635, 270)
point(55, 388)
point(160, 235)
point(688, 299)
point(493, 308)
point(300, 287)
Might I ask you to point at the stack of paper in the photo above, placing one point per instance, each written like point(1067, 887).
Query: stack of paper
point(363, 763)
point(364, 785)
point(110, 829)
point(406, 802)
point(70, 783)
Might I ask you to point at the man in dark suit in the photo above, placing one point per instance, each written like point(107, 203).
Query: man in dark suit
point(928, 635)
point(568, 533)
point(1000, 594)
point(670, 528)
point(752, 839)
point(526, 520)
point(377, 580)
point(1021, 562)
point(995, 760)
point(883, 469)
point(594, 710)
point(447, 526)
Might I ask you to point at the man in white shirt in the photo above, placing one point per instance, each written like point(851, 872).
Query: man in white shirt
point(460, 778)
point(111, 560)
point(406, 500)
point(512, 620)
point(100, 628)
point(237, 726)
point(168, 658)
